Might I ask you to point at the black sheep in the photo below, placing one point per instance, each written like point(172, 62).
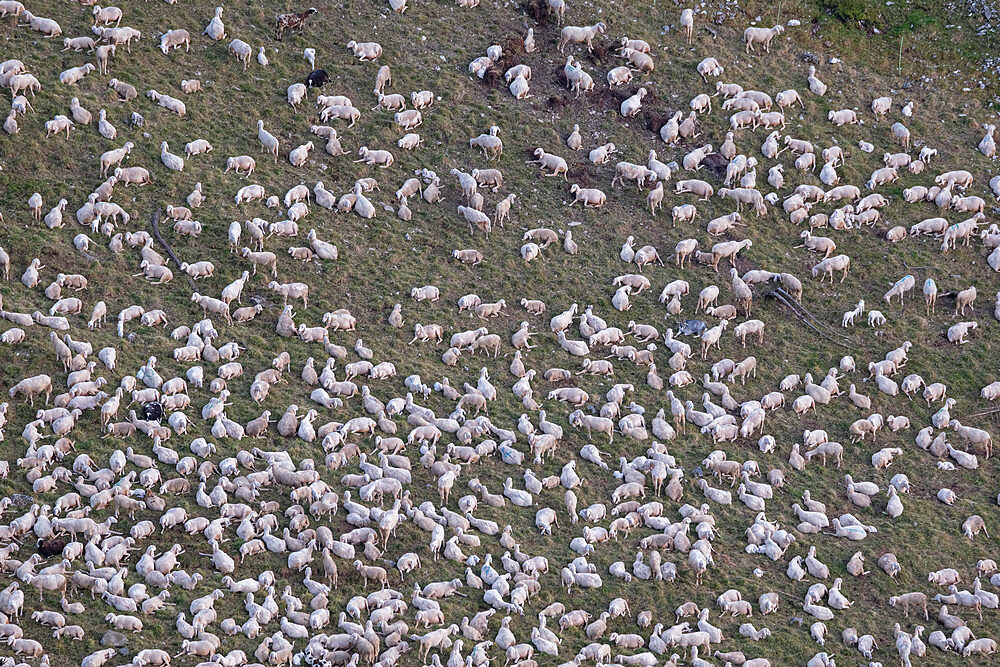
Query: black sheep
point(50, 548)
point(317, 78)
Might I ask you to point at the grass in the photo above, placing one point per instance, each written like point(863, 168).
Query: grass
point(380, 259)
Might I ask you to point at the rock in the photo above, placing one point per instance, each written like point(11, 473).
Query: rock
point(114, 639)
point(794, 23)
point(809, 57)
point(21, 500)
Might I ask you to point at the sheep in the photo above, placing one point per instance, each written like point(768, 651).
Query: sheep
point(843, 117)
point(74, 75)
point(580, 35)
point(174, 39)
point(641, 61)
point(695, 186)
point(618, 76)
point(47, 27)
point(167, 102)
point(591, 197)
point(170, 161)
point(57, 125)
point(761, 35)
point(20, 82)
point(818, 244)
point(709, 67)
point(31, 387)
point(216, 29)
point(551, 163)
point(490, 143)
point(957, 333)
point(901, 134)
point(242, 51)
point(576, 78)
point(379, 158)
point(828, 266)
point(365, 50)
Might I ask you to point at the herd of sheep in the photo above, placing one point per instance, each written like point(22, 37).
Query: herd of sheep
point(98, 538)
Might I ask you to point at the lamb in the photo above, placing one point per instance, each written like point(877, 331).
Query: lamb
point(762, 36)
point(578, 35)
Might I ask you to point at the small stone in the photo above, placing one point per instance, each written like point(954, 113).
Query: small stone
point(809, 57)
point(114, 639)
point(794, 23)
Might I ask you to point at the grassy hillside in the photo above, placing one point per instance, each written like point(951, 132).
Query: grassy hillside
point(941, 67)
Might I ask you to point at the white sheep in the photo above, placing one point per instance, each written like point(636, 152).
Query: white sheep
point(761, 36)
point(167, 102)
point(216, 29)
point(554, 164)
point(988, 145)
point(365, 50)
point(74, 75)
point(47, 27)
point(296, 93)
point(591, 197)
point(170, 161)
point(632, 105)
point(577, 35)
point(298, 155)
point(242, 51)
point(173, 39)
point(57, 125)
point(687, 24)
